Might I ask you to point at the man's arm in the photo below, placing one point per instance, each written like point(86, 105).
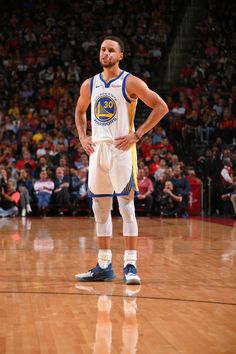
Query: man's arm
point(15, 197)
point(177, 198)
point(81, 118)
point(137, 88)
point(225, 174)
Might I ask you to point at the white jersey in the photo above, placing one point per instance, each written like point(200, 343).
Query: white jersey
point(111, 171)
point(112, 111)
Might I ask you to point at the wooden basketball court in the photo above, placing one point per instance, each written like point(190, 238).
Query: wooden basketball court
point(186, 303)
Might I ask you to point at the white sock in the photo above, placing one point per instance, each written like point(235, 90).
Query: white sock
point(28, 208)
point(104, 258)
point(130, 257)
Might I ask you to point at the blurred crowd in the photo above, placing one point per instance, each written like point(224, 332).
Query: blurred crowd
point(202, 119)
point(203, 103)
point(47, 51)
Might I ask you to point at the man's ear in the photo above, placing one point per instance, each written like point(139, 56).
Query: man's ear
point(121, 56)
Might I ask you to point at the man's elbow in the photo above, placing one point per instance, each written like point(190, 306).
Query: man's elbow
point(165, 108)
point(162, 108)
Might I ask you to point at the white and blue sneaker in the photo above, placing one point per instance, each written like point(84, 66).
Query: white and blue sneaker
point(130, 275)
point(97, 274)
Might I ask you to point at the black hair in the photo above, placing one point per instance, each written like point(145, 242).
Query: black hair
point(116, 39)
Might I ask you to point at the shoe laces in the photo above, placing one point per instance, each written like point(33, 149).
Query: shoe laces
point(98, 268)
point(95, 269)
point(130, 268)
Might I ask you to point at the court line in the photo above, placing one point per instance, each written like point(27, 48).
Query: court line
point(120, 296)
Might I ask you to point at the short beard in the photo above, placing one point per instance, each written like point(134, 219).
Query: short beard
point(108, 65)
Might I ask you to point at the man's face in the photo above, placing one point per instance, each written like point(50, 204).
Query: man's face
point(59, 173)
point(169, 185)
point(10, 186)
point(23, 174)
point(141, 173)
point(110, 53)
point(177, 172)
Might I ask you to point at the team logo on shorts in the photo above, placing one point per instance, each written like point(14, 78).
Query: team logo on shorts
point(105, 110)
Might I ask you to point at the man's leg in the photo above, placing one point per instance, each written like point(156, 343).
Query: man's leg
point(130, 232)
point(233, 200)
point(103, 270)
point(148, 204)
point(3, 212)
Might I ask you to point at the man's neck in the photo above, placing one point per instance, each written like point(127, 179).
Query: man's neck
point(110, 73)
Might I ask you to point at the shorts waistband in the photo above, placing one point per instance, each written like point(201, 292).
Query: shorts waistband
point(111, 142)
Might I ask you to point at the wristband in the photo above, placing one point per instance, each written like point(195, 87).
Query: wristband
point(136, 135)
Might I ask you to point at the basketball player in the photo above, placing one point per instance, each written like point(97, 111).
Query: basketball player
point(113, 95)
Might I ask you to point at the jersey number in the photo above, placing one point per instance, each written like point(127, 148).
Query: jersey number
point(108, 104)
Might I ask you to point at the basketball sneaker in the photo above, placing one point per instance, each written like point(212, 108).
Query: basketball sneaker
point(130, 275)
point(97, 274)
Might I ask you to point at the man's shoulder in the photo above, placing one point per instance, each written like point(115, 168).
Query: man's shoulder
point(133, 82)
point(131, 77)
point(87, 81)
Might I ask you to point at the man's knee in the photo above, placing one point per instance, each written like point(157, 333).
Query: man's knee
point(102, 212)
point(102, 208)
point(127, 209)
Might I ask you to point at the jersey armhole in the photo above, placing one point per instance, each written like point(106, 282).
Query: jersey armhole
point(91, 86)
point(125, 94)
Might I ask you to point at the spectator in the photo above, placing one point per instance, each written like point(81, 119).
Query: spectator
point(214, 170)
point(165, 146)
point(9, 199)
point(146, 147)
point(3, 176)
point(74, 187)
point(227, 126)
point(232, 196)
point(174, 161)
point(158, 193)
point(43, 188)
point(61, 193)
point(82, 162)
point(145, 192)
point(207, 130)
point(60, 151)
point(227, 176)
point(154, 164)
point(162, 167)
point(158, 134)
point(26, 161)
point(191, 176)
point(25, 188)
point(42, 164)
point(79, 188)
point(191, 130)
point(171, 202)
point(181, 185)
point(227, 173)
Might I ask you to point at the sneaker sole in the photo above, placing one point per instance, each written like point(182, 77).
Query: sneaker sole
point(95, 279)
point(132, 282)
